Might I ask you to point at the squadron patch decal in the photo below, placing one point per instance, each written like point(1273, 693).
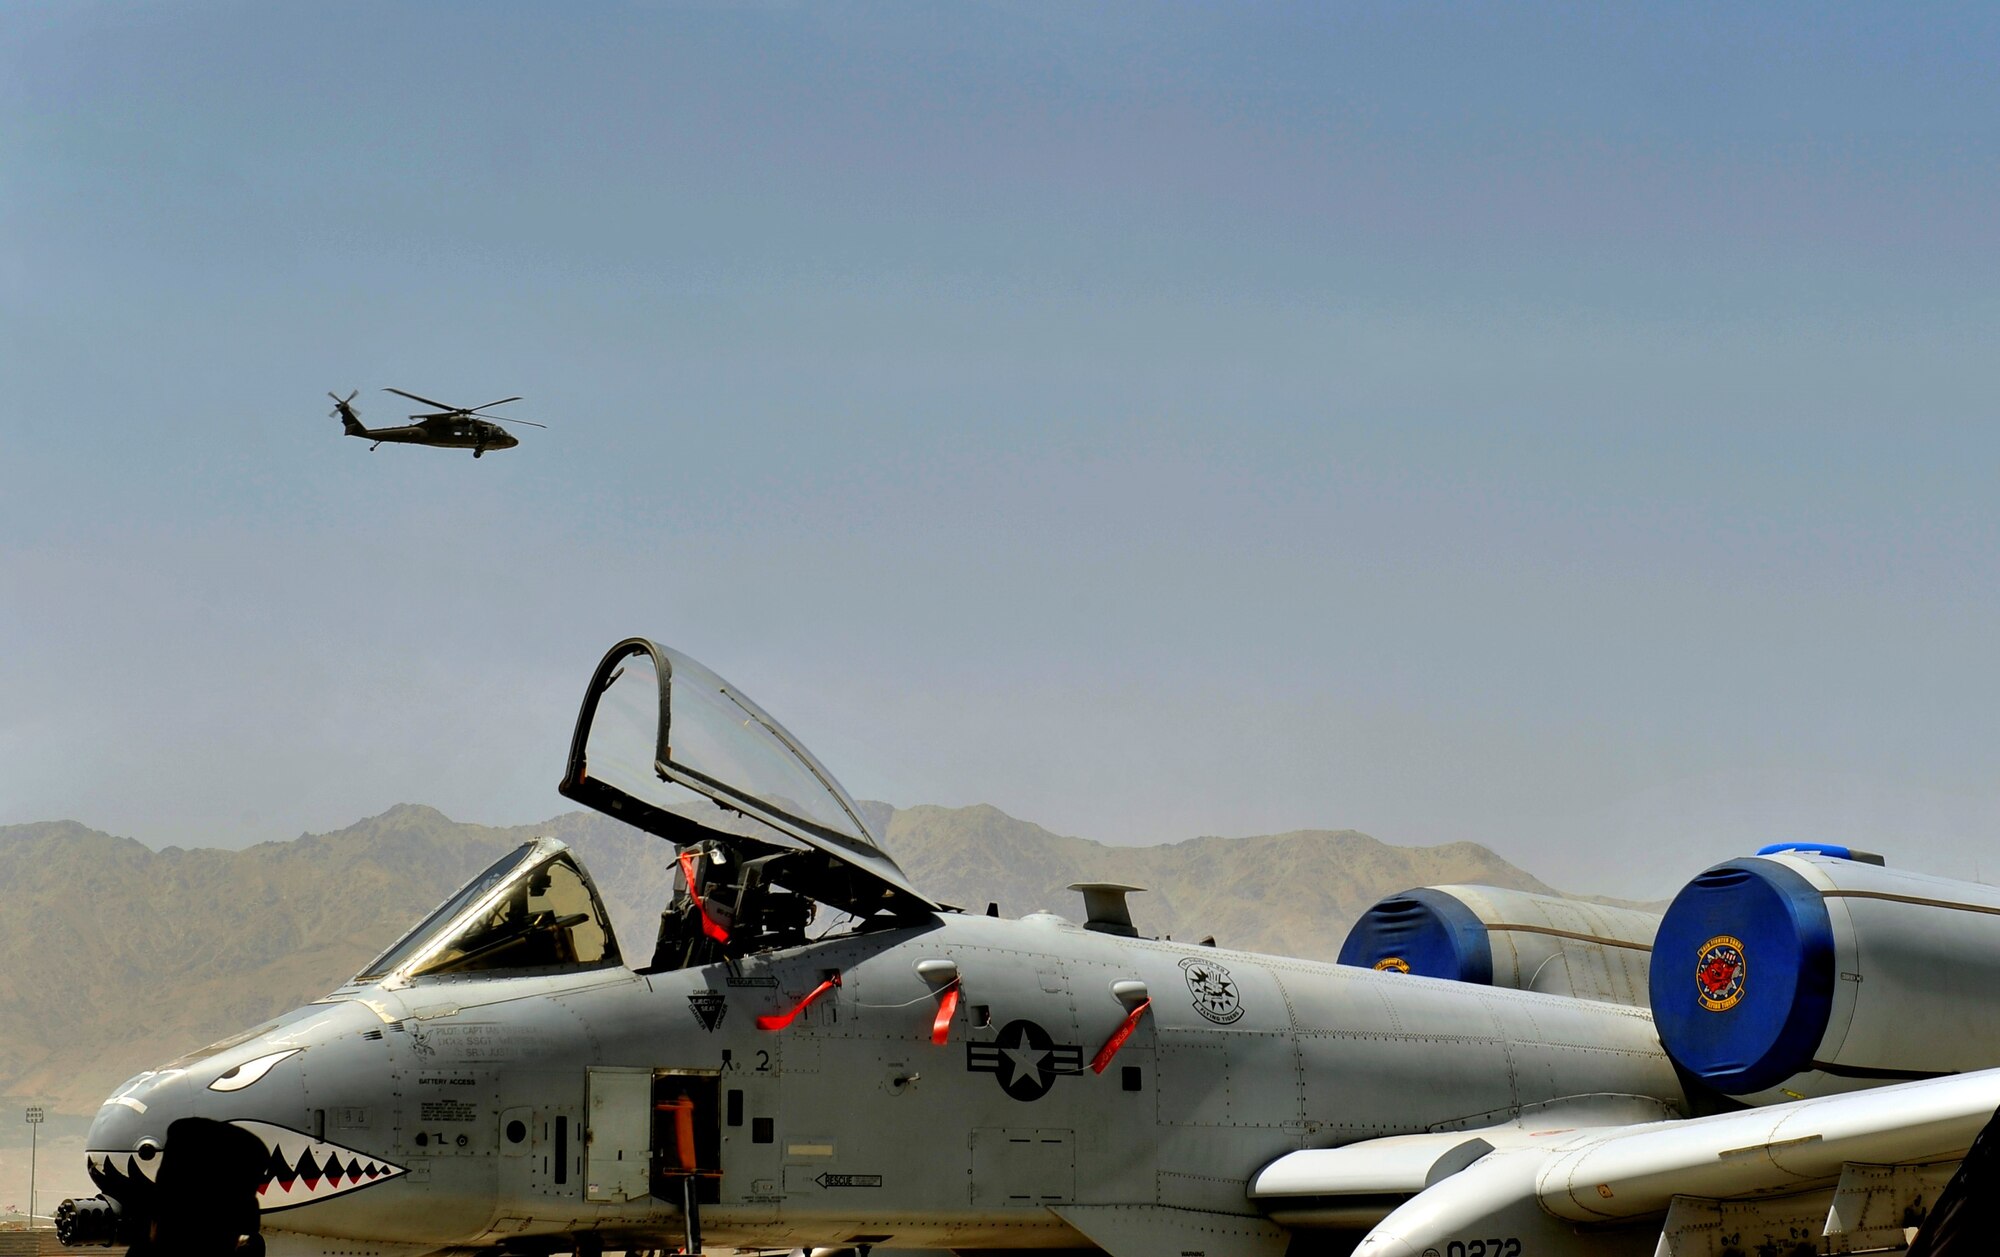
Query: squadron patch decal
point(1719, 973)
point(1025, 1060)
point(1392, 964)
point(708, 1008)
point(1213, 989)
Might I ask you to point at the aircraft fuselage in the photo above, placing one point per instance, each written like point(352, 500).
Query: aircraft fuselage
point(497, 1109)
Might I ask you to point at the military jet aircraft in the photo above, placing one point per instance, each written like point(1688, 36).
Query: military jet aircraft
point(450, 427)
point(816, 1052)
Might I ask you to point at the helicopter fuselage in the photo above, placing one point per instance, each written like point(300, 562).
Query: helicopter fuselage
point(477, 435)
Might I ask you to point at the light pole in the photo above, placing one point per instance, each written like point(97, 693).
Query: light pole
point(34, 1130)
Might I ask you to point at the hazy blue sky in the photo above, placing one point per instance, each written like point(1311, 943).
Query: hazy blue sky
point(1567, 429)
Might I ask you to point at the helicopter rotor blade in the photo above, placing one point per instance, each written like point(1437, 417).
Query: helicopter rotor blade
point(497, 419)
point(473, 410)
point(447, 409)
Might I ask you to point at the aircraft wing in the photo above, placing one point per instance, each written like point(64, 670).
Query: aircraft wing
point(1840, 1174)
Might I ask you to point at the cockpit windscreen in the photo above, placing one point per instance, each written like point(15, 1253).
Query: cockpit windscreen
point(533, 910)
point(549, 919)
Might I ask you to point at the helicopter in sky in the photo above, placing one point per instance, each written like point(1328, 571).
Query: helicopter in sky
point(448, 427)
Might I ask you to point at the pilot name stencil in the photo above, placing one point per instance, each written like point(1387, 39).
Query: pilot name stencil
point(1214, 991)
point(1025, 1060)
point(478, 1041)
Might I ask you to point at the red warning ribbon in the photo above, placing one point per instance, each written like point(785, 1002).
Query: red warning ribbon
point(1099, 1062)
point(683, 1110)
point(709, 925)
point(947, 1007)
point(778, 1021)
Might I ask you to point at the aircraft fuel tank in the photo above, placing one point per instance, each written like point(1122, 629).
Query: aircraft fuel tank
point(1801, 972)
point(1508, 938)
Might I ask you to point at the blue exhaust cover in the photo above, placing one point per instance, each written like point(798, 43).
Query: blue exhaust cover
point(1742, 976)
point(1425, 932)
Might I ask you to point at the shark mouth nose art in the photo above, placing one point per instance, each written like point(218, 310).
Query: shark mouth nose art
point(300, 1169)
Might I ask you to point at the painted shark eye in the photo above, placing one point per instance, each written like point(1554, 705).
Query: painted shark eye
point(250, 1071)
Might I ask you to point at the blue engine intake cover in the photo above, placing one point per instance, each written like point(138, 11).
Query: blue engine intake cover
point(1425, 932)
point(1742, 977)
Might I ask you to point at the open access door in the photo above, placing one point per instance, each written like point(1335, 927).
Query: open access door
point(687, 1134)
point(618, 1147)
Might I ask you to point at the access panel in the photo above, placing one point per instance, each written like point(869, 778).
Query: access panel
point(618, 1149)
point(1023, 1167)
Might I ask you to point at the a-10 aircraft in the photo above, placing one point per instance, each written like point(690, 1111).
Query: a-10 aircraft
point(814, 1052)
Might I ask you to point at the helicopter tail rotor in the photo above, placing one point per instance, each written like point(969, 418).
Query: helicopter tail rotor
point(343, 410)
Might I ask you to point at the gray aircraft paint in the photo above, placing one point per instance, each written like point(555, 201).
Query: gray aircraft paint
point(874, 1129)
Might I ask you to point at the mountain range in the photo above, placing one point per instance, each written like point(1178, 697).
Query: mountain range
point(115, 957)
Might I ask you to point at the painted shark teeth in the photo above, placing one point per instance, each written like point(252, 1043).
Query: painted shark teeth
point(299, 1169)
point(302, 1170)
point(120, 1164)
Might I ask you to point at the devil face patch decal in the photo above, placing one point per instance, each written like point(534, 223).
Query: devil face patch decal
point(1719, 973)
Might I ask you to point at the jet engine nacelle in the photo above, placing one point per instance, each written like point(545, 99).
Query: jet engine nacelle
point(1803, 972)
point(1508, 938)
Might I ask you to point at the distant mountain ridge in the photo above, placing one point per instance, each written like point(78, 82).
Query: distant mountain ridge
point(115, 957)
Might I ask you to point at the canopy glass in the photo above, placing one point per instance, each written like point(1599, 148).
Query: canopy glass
point(656, 724)
point(533, 910)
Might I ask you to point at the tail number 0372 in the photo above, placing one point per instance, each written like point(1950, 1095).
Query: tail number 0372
point(1507, 1247)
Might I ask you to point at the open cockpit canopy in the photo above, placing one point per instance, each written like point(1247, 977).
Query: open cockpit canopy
point(534, 910)
point(657, 725)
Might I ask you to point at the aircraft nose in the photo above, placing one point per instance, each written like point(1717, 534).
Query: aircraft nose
point(130, 1128)
point(182, 1151)
point(123, 1152)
